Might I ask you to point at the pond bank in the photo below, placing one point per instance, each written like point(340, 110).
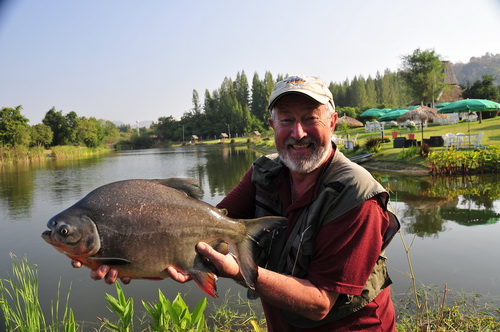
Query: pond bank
point(396, 167)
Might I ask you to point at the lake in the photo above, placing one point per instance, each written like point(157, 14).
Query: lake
point(452, 224)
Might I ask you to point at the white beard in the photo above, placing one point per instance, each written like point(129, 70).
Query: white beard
point(305, 165)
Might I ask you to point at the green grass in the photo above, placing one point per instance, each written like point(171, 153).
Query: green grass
point(20, 303)
point(490, 127)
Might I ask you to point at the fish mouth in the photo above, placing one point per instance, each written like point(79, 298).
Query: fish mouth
point(47, 235)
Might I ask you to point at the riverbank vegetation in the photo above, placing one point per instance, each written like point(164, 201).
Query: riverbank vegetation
point(425, 309)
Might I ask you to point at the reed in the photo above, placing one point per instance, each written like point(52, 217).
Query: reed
point(70, 152)
point(20, 303)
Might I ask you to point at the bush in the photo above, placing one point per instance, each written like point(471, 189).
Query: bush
point(424, 150)
point(373, 144)
point(464, 162)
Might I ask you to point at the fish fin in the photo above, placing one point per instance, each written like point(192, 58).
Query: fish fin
point(189, 186)
point(111, 260)
point(244, 250)
point(207, 282)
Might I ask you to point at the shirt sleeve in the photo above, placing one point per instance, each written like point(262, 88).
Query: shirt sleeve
point(347, 249)
point(240, 202)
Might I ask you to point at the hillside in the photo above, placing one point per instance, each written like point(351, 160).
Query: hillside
point(477, 67)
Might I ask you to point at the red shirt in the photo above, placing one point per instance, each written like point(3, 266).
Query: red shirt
point(346, 250)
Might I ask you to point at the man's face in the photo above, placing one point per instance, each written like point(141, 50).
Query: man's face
point(302, 132)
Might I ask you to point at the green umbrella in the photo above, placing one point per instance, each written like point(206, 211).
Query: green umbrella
point(394, 114)
point(373, 112)
point(469, 105)
point(442, 104)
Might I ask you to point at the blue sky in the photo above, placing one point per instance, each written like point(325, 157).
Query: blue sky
point(139, 60)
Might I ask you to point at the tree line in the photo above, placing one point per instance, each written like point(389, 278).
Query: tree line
point(239, 107)
point(56, 129)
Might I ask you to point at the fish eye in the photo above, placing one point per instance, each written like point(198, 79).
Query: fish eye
point(64, 230)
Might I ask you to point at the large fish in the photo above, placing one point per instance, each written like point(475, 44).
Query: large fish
point(139, 227)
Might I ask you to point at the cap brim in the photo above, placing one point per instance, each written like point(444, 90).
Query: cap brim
point(320, 99)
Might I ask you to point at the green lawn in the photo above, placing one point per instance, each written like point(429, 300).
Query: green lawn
point(490, 127)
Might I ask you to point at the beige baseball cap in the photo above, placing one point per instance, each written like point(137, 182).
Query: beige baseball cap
point(311, 86)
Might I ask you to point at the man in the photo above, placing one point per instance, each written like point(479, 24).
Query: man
point(326, 270)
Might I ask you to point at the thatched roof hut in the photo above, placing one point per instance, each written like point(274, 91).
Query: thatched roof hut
point(351, 122)
point(421, 113)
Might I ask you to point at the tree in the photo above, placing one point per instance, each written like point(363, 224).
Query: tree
point(89, 132)
point(241, 89)
point(111, 132)
point(14, 128)
point(371, 92)
point(168, 129)
point(196, 102)
point(58, 123)
point(481, 89)
point(423, 72)
point(72, 123)
point(357, 93)
point(259, 102)
point(41, 135)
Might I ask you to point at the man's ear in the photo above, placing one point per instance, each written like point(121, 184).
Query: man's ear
point(334, 118)
point(271, 122)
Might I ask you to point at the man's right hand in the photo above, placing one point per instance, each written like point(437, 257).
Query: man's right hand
point(103, 272)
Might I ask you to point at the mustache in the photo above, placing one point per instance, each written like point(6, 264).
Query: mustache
point(305, 140)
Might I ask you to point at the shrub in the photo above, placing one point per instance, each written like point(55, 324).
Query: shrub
point(373, 144)
point(463, 162)
point(424, 150)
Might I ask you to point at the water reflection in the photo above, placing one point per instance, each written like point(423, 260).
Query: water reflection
point(430, 202)
point(225, 167)
point(16, 190)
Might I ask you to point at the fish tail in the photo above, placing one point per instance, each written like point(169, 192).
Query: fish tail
point(207, 282)
point(244, 250)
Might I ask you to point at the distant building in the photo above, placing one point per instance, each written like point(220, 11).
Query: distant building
point(452, 92)
point(222, 137)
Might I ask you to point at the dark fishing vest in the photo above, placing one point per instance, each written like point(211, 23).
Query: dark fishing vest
point(344, 186)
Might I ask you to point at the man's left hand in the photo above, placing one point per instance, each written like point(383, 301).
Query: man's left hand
point(226, 264)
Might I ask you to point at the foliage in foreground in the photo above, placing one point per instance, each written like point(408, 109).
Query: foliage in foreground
point(21, 310)
point(20, 303)
point(429, 310)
